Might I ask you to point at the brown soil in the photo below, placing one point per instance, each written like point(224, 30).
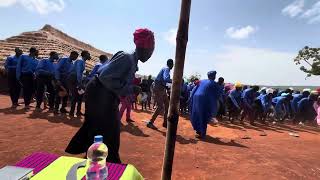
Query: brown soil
point(225, 154)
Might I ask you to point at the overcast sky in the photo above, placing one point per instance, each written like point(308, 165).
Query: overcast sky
point(248, 41)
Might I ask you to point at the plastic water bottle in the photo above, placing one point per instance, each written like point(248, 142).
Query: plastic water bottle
point(96, 155)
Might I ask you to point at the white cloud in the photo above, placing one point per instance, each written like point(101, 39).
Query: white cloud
point(259, 66)
point(293, 9)
point(240, 33)
point(7, 3)
point(39, 6)
point(312, 14)
point(170, 36)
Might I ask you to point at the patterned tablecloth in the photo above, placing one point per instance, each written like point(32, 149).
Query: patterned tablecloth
point(49, 166)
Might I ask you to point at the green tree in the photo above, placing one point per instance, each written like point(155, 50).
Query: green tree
point(311, 58)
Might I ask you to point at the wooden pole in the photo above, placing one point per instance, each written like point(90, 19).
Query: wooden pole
point(173, 116)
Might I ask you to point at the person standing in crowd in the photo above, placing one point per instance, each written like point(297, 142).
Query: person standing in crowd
point(63, 70)
point(13, 84)
point(136, 91)
point(295, 101)
point(149, 82)
point(221, 101)
point(280, 106)
point(265, 100)
point(144, 94)
point(306, 111)
point(102, 97)
point(45, 78)
point(103, 59)
point(317, 109)
point(248, 97)
point(234, 102)
point(76, 87)
point(184, 96)
point(203, 99)
point(160, 94)
point(26, 67)
point(263, 91)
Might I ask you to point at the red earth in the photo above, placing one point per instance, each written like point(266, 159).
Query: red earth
point(231, 151)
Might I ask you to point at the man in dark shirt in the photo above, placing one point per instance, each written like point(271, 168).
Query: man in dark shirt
point(14, 86)
point(144, 95)
point(149, 82)
point(75, 83)
point(26, 67)
point(45, 77)
point(63, 70)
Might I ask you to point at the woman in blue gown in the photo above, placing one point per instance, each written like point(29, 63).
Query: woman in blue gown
point(203, 104)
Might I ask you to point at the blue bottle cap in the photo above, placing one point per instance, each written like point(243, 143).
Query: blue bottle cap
point(98, 138)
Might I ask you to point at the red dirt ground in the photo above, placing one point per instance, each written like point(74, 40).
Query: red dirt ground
point(224, 155)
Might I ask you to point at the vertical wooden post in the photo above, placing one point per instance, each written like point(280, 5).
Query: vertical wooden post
point(173, 116)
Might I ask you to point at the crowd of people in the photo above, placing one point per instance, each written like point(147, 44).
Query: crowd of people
point(112, 88)
point(211, 101)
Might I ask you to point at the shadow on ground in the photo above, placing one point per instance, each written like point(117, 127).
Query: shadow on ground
point(60, 118)
point(133, 129)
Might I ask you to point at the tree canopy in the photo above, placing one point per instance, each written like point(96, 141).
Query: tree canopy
point(311, 58)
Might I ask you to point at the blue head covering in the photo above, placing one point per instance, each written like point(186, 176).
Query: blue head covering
point(212, 75)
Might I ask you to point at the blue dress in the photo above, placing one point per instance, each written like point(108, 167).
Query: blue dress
point(204, 99)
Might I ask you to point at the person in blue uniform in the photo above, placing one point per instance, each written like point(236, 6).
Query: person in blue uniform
point(306, 111)
point(203, 101)
point(103, 59)
point(264, 105)
point(13, 84)
point(296, 99)
point(75, 83)
point(233, 102)
point(26, 67)
point(184, 96)
point(281, 104)
point(63, 70)
point(45, 72)
point(248, 96)
point(160, 94)
point(102, 97)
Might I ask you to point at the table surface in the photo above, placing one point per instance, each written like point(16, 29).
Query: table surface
point(44, 163)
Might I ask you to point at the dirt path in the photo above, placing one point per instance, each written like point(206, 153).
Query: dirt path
point(225, 154)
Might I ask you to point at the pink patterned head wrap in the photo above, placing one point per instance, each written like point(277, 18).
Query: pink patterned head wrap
point(144, 38)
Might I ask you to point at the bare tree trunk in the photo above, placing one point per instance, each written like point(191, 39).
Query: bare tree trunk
point(173, 117)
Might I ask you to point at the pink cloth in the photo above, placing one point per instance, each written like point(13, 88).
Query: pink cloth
point(37, 161)
point(125, 104)
point(40, 160)
point(318, 116)
point(115, 171)
point(144, 38)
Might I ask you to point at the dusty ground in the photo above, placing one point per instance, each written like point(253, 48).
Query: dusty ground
point(224, 155)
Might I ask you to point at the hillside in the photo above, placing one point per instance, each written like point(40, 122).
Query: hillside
point(45, 40)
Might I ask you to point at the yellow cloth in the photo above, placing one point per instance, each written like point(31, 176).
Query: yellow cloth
point(60, 167)
point(131, 173)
